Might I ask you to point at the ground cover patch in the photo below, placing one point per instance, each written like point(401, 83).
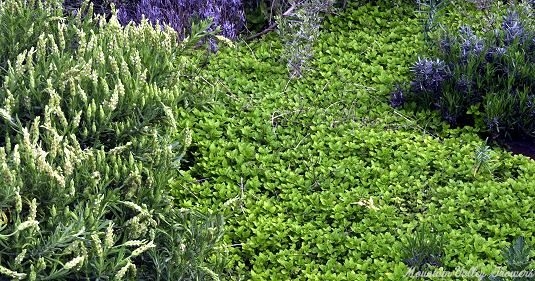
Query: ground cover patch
point(320, 179)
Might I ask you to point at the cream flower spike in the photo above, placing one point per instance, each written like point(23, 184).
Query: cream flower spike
point(225, 40)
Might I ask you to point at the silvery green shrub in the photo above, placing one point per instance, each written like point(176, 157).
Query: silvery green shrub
point(299, 28)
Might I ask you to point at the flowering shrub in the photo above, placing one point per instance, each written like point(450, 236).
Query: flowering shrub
point(88, 146)
point(227, 15)
point(485, 78)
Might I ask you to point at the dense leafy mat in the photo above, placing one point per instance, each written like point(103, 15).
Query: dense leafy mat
point(321, 180)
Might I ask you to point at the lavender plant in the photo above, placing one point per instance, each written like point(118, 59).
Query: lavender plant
point(482, 4)
point(396, 97)
point(483, 158)
point(490, 72)
point(299, 28)
point(430, 10)
point(226, 15)
point(423, 249)
point(88, 147)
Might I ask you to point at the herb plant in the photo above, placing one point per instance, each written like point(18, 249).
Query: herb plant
point(89, 145)
point(423, 249)
point(481, 78)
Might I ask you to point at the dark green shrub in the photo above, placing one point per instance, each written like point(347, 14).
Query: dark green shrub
point(482, 78)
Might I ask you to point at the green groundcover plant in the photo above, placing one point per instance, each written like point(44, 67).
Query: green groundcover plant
point(320, 179)
point(89, 144)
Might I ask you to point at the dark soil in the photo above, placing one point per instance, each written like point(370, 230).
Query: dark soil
point(520, 146)
point(517, 144)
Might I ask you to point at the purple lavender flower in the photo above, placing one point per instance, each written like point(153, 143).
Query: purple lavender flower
point(445, 45)
point(495, 53)
point(478, 47)
point(471, 44)
point(500, 52)
point(463, 85)
point(466, 31)
point(396, 98)
point(450, 118)
point(493, 124)
point(513, 27)
point(179, 14)
point(429, 75)
point(123, 16)
point(147, 9)
point(229, 30)
point(471, 47)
